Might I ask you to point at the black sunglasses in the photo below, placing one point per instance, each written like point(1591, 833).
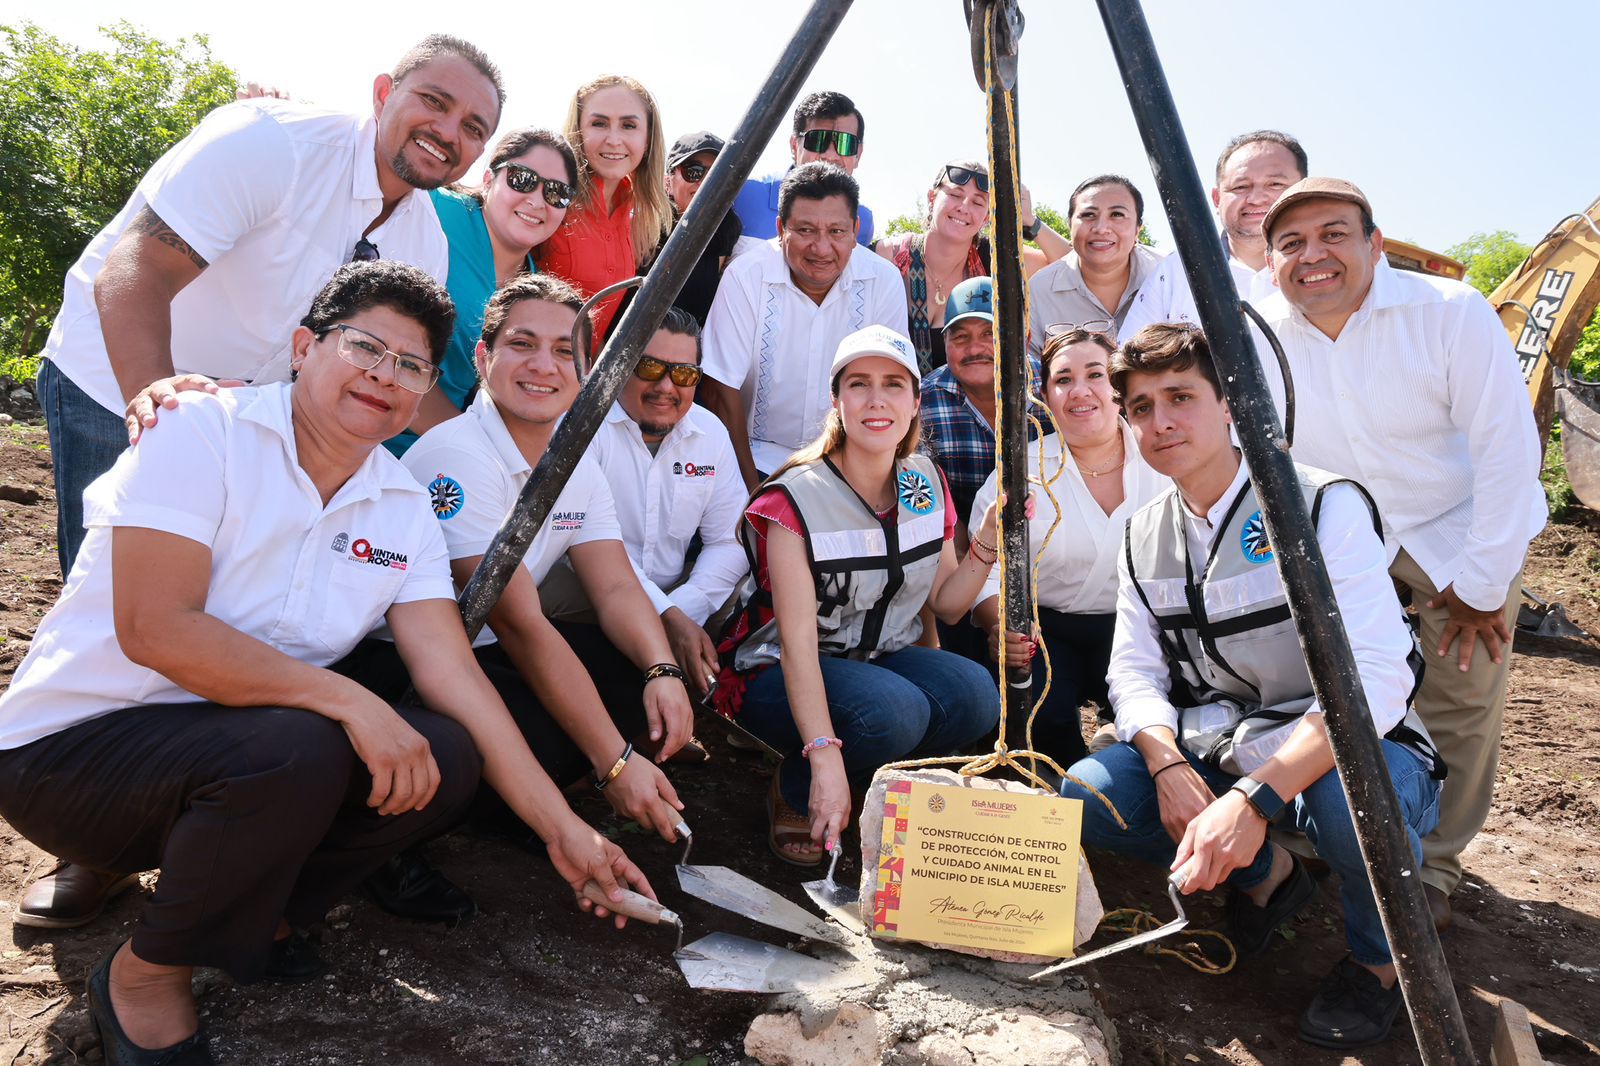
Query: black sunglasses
point(820, 140)
point(524, 180)
point(650, 368)
point(961, 175)
point(693, 173)
point(365, 252)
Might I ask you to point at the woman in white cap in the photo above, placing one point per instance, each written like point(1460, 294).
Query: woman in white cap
point(847, 541)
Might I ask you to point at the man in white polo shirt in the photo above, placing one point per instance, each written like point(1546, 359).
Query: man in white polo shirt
point(208, 266)
point(581, 709)
point(1252, 172)
point(674, 476)
point(780, 314)
point(1408, 384)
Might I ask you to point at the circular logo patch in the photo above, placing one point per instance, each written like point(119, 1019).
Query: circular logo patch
point(916, 492)
point(1253, 542)
point(936, 803)
point(446, 496)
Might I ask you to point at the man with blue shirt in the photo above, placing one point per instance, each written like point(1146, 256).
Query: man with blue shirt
point(827, 127)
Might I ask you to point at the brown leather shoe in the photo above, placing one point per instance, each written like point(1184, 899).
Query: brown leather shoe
point(69, 896)
point(1439, 908)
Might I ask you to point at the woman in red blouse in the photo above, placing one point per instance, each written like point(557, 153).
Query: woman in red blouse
point(620, 215)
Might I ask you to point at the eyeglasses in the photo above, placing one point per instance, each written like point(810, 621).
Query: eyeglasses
point(525, 179)
point(684, 375)
point(846, 144)
point(364, 351)
point(1093, 325)
point(962, 175)
point(365, 252)
point(693, 173)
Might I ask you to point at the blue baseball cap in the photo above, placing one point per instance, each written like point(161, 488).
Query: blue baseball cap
point(973, 298)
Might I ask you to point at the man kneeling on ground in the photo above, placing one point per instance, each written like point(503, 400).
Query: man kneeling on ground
point(1221, 733)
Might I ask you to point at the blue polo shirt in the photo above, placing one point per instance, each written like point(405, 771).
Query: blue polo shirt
point(757, 208)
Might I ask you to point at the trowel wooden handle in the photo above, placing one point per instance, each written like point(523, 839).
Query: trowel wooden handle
point(632, 904)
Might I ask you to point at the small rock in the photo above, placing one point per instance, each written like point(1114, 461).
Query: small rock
point(637, 998)
point(21, 396)
point(5, 420)
point(19, 494)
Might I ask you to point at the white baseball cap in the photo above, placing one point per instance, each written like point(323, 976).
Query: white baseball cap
point(876, 340)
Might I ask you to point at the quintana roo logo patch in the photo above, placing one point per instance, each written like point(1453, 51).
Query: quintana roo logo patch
point(446, 496)
point(1253, 542)
point(915, 491)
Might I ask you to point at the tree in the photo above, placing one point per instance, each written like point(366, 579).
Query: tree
point(1490, 258)
point(80, 128)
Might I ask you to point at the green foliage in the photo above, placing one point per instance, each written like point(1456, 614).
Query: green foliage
point(910, 222)
point(1558, 492)
point(1490, 258)
point(1586, 355)
point(80, 128)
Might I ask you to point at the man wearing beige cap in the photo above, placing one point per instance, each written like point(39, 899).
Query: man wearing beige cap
point(1408, 384)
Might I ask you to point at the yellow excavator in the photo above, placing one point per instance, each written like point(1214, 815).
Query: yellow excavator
point(1545, 305)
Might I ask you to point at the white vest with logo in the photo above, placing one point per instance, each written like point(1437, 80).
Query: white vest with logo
point(1239, 677)
point(872, 576)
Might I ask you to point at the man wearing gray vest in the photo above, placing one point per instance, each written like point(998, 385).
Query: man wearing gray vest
point(1221, 733)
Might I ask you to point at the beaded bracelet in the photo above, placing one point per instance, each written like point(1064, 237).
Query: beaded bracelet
point(821, 742)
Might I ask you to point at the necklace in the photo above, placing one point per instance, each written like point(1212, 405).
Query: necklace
point(1118, 465)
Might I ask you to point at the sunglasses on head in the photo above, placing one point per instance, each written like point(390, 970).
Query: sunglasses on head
point(821, 140)
point(650, 368)
point(962, 175)
point(1093, 325)
point(365, 252)
point(693, 173)
point(524, 180)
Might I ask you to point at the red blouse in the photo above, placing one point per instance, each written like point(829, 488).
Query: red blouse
point(592, 250)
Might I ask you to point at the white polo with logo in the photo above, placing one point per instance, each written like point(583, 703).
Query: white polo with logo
point(691, 485)
point(474, 472)
point(308, 579)
point(273, 195)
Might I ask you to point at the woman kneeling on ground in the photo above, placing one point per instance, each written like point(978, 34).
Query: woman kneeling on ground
point(176, 711)
point(848, 541)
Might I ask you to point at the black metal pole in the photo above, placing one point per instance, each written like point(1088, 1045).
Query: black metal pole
point(1436, 1014)
point(1003, 22)
point(644, 314)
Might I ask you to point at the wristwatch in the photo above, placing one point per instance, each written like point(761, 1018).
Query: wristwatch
point(1030, 232)
point(1260, 795)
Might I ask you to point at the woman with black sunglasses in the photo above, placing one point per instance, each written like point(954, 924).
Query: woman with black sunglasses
point(954, 248)
point(492, 230)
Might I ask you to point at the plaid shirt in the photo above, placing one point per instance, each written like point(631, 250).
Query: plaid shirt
point(958, 437)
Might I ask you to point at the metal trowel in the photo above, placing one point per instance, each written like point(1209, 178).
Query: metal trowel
point(735, 892)
point(841, 901)
point(1178, 923)
point(727, 963)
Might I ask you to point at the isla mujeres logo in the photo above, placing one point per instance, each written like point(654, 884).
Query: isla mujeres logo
point(445, 494)
point(1253, 541)
point(916, 492)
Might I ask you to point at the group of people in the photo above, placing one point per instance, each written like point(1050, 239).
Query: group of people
point(299, 381)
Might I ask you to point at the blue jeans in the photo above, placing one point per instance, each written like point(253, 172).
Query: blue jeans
point(911, 703)
point(1321, 812)
point(85, 439)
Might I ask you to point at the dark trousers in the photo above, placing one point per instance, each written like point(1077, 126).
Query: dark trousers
point(252, 815)
point(1079, 646)
point(376, 666)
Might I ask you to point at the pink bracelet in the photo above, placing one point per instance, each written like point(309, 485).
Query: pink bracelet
point(821, 742)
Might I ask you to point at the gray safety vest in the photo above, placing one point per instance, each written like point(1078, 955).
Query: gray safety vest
point(1239, 677)
point(872, 575)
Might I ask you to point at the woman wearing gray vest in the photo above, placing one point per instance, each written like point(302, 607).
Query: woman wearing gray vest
point(1222, 733)
point(847, 542)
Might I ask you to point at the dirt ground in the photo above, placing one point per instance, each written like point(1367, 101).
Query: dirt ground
point(532, 980)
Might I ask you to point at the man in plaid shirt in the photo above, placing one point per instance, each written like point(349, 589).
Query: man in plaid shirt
point(958, 398)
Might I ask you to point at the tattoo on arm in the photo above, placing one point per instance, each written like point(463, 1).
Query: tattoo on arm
point(150, 224)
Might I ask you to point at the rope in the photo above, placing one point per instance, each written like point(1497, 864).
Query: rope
point(1133, 921)
point(1024, 761)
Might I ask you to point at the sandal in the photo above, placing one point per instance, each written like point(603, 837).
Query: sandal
point(788, 827)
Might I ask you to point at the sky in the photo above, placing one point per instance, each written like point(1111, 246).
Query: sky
point(1455, 117)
